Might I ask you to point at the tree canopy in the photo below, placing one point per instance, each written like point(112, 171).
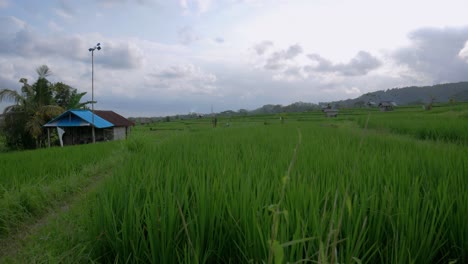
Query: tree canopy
point(34, 106)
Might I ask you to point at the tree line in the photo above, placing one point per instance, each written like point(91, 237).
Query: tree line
point(33, 106)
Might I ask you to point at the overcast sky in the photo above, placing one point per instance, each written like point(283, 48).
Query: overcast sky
point(164, 57)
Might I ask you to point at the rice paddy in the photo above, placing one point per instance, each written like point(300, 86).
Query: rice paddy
point(352, 189)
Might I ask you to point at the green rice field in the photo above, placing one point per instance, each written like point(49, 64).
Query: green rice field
point(365, 187)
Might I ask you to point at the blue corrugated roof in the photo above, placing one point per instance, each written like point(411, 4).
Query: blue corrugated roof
point(73, 118)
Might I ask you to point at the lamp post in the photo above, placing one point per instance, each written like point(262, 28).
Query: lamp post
point(98, 47)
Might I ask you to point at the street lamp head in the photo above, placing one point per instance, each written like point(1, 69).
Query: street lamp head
point(98, 47)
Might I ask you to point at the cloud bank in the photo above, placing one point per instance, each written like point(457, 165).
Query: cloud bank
point(190, 54)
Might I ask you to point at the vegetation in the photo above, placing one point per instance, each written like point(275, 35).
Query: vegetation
point(446, 123)
point(425, 95)
point(350, 189)
point(32, 181)
point(33, 107)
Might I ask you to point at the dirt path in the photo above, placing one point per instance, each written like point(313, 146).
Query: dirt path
point(13, 244)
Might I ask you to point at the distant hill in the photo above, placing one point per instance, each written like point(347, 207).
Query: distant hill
point(440, 93)
point(295, 107)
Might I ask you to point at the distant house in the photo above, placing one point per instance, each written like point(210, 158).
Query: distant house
point(75, 126)
point(144, 120)
point(386, 106)
point(121, 128)
point(330, 112)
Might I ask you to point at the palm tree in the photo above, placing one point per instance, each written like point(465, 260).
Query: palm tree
point(32, 108)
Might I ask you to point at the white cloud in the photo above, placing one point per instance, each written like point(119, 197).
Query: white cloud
point(289, 65)
point(21, 40)
point(291, 74)
point(280, 59)
point(7, 70)
point(183, 78)
point(203, 5)
point(120, 55)
point(195, 6)
point(262, 47)
point(187, 35)
point(114, 3)
point(361, 64)
point(435, 54)
point(353, 91)
point(464, 52)
point(54, 26)
point(183, 4)
point(65, 9)
point(10, 25)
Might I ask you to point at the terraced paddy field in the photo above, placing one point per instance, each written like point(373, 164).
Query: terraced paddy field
point(365, 187)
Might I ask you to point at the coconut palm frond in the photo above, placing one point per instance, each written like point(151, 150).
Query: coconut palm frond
point(12, 109)
point(43, 71)
point(42, 115)
point(49, 111)
point(10, 95)
point(27, 89)
point(83, 105)
point(74, 102)
point(23, 81)
point(34, 126)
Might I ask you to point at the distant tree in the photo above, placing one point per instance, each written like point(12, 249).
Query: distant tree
point(34, 106)
point(243, 112)
point(68, 97)
point(359, 104)
point(431, 102)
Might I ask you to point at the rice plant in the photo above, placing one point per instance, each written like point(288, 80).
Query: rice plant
point(32, 181)
point(309, 189)
point(221, 195)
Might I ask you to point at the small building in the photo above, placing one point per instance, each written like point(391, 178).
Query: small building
point(76, 126)
point(122, 125)
point(386, 106)
point(330, 112)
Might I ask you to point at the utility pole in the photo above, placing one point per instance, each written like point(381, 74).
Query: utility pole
point(98, 47)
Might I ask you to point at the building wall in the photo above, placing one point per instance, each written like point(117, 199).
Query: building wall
point(120, 133)
point(82, 135)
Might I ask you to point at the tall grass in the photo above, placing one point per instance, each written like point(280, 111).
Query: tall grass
point(448, 123)
point(3, 147)
point(212, 196)
point(32, 181)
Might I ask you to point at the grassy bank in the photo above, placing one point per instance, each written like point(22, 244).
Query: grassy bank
point(33, 181)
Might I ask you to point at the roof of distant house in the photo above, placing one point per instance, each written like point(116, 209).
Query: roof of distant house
point(114, 118)
point(79, 118)
point(387, 103)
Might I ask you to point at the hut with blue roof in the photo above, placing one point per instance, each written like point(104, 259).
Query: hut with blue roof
point(76, 126)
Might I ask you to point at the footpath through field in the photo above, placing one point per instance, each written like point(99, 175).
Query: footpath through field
point(36, 239)
point(12, 245)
